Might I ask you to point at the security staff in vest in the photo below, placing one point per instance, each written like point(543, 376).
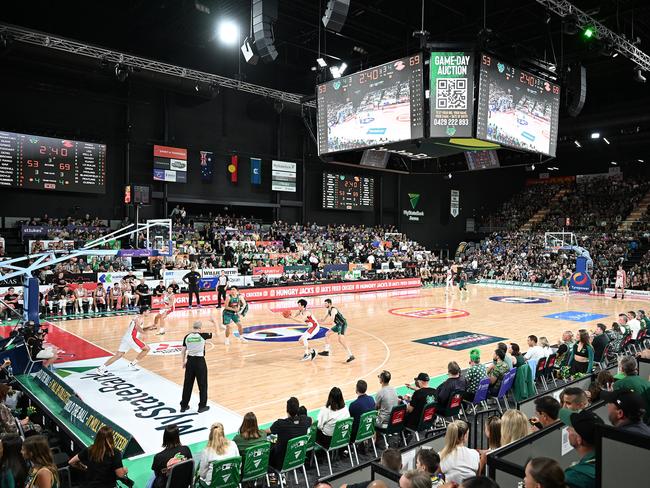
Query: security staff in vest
point(193, 355)
point(222, 284)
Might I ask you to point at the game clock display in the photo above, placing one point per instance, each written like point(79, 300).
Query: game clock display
point(345, 192)
point(47, 163)
point(517, 108)
point(377, 106)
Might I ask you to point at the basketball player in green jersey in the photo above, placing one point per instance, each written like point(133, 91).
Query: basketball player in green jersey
point(340, 326)
point(231, 312)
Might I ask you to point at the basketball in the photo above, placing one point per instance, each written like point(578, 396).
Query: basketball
point(286, 314)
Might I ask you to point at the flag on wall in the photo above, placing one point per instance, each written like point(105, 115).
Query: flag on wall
point(233, 167)
point(207, 166)
point(256, 171)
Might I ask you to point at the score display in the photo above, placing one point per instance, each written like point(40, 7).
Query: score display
point(517, 108)
point(47, 163)
point(345, 192)
point(372, 107)
point(477, 160)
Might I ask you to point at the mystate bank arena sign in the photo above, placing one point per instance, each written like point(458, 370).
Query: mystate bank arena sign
point(414, 215)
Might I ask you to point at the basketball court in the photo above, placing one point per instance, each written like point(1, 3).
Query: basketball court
point(387, 330)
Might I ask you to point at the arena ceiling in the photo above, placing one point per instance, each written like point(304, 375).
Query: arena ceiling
point(181, 32)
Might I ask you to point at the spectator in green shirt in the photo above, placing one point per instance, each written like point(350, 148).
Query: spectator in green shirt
point(474, 374)
point(628, 367)
point(582, 437)
point(249, 433)
point(498, 371)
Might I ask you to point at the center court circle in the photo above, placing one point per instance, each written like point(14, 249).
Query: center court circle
point(429, 312)
point(279, 332)
point(520, 300)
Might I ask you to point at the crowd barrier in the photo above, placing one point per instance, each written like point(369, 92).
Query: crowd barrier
point(621, 458)
point(507, 464)
point(372, 470)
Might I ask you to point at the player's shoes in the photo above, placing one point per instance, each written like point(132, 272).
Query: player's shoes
point(133, 367)
point(306, 357)
point(242, 339)
point(623, 296)
point(313, 354)
point(615, 297)
point(324, 353)
point(226, 342)
point(102, 370)
point(349, 359)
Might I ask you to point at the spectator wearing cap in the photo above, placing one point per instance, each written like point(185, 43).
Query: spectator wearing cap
point(423, 394)
point(452, 384)
point(625, 410)
point(385, 399)
point(474, 374)
point(599, 342)
point(364, 403)
point(582, 437)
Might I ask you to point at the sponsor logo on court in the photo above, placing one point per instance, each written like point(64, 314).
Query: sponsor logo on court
point(520, 300)
point(169, 348)
point(576, 316)
point(458, 341)
point(429, 312)
point(279, 332)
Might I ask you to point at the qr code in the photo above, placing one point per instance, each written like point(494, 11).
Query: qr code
point(451, 93)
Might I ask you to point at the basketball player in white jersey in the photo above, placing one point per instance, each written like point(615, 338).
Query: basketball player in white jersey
point(130, 340)
point(168, 306)
point(304, 316)
point(449, 282)
point(621, 278)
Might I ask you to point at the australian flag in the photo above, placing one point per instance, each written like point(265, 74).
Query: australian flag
point(207, 166)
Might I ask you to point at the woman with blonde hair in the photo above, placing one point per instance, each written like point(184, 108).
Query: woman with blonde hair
point(43, 472)
point(514, 426)
point(218, 448)
point(458, 462)
point(546, 346)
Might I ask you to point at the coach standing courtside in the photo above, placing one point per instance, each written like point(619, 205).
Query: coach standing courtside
point(222, 284)
point(191, 279)
point(193, 355)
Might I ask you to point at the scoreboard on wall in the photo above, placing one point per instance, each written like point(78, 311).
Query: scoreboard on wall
point(345, 192)
point(48, 163)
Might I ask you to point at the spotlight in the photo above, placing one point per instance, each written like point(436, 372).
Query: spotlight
point(640, 160)
point(449, 176)
point(570, 24)
point(196, 86)
point(321, 62)
point(532, 166)
point(606, 140)
point(228, 32)
point(595, 135)
point(121, 72)
point(337, 71)
point(589, 32)
point(638, 76)
point(248, 50)
point(614, 55)
point(614, 163)
point(577, 143)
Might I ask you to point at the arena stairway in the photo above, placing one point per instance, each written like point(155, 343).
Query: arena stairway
point(541, 214)
point(636, 214)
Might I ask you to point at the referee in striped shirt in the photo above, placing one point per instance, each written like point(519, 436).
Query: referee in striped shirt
point(193, 355)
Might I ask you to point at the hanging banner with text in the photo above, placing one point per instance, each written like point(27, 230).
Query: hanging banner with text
point(454, 205)
point(451, 94)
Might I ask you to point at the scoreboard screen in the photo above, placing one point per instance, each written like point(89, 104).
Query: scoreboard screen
point(377, 106)
point(517, 108)
point(48, 163)
point(477, 160)
point(345, 192)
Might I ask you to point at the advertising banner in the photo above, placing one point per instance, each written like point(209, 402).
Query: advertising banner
point(298, 269)
point(451, 94)
point(112, 278)
point(269, 270)
point(335, 268)
point(257, 294)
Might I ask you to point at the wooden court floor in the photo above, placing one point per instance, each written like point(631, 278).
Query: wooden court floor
point(259, 376)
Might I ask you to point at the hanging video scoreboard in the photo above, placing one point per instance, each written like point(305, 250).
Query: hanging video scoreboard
point(516, 108)
point(345, 192)
point(48, 163)
point(372, 107)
